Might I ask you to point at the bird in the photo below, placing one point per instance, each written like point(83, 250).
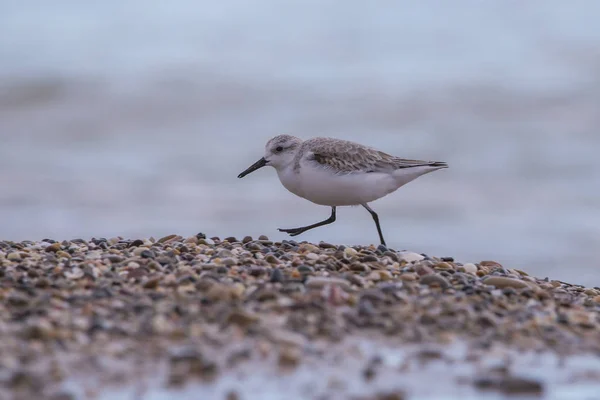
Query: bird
point(335, 172)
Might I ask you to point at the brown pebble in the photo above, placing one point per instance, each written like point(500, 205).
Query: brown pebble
point(493, 264)
point(247, 239)
point(53, 247)
point(166, 238)
point(241, 317)
point(422, 270)
point(233, 395)
point(443, 265)
point(289, 356)
point(504, 282)
point(63, 254)
point(152, 283)
point(318, 282)
point(409, 277)
point(435, 280)
point(515, 385)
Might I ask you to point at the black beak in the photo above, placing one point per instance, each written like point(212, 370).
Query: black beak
point(259, 164)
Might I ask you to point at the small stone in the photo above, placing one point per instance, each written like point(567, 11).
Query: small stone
point(312, 256)
point(443, 266)
point(191, 240)
point(247, 239)
point(271, 259)
point(241, 318)
point(423, 270)
point(147, 253)
point(152, 283)
point(263, 237)
point(382, 248)
point(136, 243)
point(410, 257)
point(325, 245)
point(305, 269)
point(53, 247)
point(349, 252)
point(309, 248)
point(517, 385)
point(435, 280)
point(276, 276)
point(13, 256)
point(385, 275)
point(396, 395)
point(232, 395)
point(289, 356)
point(63, 254)
point(470, 268)
point(62, 396)
point(166, 238)
point(409, 277)
point(504, 282)
point(319, 282)
point(491, 264)
point(359, 267)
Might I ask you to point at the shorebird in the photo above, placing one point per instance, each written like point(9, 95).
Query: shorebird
point(334, 172)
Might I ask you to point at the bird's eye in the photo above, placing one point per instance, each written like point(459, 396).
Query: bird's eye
point(279, 149)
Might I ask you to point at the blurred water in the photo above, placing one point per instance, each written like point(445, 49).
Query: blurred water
point(134, 118)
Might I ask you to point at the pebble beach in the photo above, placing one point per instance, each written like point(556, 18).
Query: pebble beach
point(251, 318)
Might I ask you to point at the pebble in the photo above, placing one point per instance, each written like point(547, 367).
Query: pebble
point(435, 280)
point(276, 276)
point(409, 257)
point(504, 282)
point(318, 282)
point(470, 268)
point(409, 277)
point(349, 252)
point(53, 247)
point(423, 269)
point(289, 356)
point(166, 238)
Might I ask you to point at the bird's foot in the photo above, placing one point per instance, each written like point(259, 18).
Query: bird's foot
point(292, 231)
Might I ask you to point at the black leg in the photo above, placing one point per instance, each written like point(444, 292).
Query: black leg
point(376, 219)
point(297, 231)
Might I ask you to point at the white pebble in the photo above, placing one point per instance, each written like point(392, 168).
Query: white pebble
point(409, 256)
point(470, 268)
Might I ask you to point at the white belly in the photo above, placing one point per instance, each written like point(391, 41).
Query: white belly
point(323, 187)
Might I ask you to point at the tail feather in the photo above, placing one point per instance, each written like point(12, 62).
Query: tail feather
point(438, 164)
point(408, 164)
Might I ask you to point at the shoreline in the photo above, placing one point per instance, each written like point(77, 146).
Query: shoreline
point(201, 311)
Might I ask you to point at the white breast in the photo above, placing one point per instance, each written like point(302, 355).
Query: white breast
point(322, 186)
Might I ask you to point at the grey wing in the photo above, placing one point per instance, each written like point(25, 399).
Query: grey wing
point(348, 157)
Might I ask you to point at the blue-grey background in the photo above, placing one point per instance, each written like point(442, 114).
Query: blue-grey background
point(134, 118)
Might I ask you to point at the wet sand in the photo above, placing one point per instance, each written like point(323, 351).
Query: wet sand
point(224, 318)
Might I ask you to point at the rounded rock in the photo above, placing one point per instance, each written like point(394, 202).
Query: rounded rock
point(504, 282)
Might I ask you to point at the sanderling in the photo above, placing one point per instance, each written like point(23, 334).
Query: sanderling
point(333, 172)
